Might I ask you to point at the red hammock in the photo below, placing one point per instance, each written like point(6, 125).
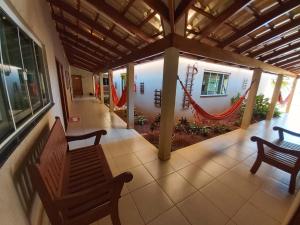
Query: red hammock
point(197, 110)
point(118, 102)
point(283, 101)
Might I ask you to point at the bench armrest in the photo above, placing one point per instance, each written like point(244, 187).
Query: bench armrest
point(282, 130)
point(96, 134)
point(274, 147)
point(79, 198)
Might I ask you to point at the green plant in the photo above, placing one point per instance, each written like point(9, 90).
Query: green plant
point(235, 98)
point(140, 120)
point(221, 129)
point(260, 110)
point(199, 130)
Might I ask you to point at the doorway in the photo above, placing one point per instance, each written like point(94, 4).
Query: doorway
point(77, 85)
point(62, 90)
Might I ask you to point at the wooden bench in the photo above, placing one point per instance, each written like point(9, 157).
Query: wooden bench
point(279, 153)
point(76, 187)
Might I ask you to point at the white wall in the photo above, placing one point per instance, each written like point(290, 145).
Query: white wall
point(36, 18)
point(87, 80)
point(151, 73)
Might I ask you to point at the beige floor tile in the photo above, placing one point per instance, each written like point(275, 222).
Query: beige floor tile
point(249, 215)
point(147, 155)
point(151, 201)
point(141, 177)
point(223, 197)
point(177, 161)
point(200, 211)
point(126, 162)
point(176, 187)
point(129, 214)
point(275, 207)
point(244, 171)
point(225, 161)
point(159, 168)
point(212, 168)
point(231, 222)
point(239, 153)
point(170, 217)
point(194, 175)
point(239, 184)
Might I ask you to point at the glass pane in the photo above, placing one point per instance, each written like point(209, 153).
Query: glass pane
point(213, 84)
point(6, 123)
point(30, 67)
point(205, 83)
point(13, 72)
point(225, 85)
point(42, 74)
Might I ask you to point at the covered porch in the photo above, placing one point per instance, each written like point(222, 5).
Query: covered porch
point(206, 183)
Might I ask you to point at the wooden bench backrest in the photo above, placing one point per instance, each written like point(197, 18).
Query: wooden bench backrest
point(47, 174)
point(51, 165)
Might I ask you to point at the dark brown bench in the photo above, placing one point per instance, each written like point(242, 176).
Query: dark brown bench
point(76, 187)
point(279, 153)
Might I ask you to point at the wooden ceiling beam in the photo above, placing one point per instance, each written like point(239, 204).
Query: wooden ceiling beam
point(150, 50)
point(95, 49)
point(160, 8)
point(292, 65)
point(87, 35)
point(271, 35)
point(200, 49)
point(280, 52)
point(223, 16)
point(82, 65)
point(92, 23)
point(76, 57)
point(262, 21)
point(290, 61)
point(277, 44)
point(182, 9)
point(85, 55)
point(116, 17)
point(171, 15)
point(203, 12)
point(279, 59)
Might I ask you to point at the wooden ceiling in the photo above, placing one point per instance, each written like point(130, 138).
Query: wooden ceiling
point(102, 34)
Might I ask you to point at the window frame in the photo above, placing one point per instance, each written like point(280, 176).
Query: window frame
point(11, 142)
point(223, 76)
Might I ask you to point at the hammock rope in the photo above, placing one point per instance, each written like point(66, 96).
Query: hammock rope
point(199, 111)
point(118, 102)
point(283, 101)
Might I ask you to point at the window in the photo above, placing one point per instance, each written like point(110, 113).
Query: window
point(24, 88)
point(214, 83)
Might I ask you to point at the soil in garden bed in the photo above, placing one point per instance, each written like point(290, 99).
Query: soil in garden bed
point(184, 134)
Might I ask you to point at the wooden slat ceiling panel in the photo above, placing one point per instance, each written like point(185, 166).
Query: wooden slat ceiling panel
point(268, 30)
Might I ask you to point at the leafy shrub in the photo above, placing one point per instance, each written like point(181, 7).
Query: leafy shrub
point(261, 108)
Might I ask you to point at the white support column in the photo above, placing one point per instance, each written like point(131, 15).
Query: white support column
point(171, 59)
point(130, 95)
point(101, 88)
point(275, 96)
point(111, 102)
point(288, 106)
point(251, 99)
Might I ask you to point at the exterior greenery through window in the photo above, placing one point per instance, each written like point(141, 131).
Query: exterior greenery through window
point(24, 86)
point(214, 83)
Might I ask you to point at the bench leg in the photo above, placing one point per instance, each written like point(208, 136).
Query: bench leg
point(292, 183)
point(115, 216)
point(256, 165)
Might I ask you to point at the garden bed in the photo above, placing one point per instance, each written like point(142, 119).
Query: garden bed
point(187, 132)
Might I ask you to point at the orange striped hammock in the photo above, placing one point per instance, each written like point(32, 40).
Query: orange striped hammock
point(199, 111)
point(283, 101)
point(118, 102)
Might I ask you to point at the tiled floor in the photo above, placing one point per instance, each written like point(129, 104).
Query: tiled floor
point(208, 183)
